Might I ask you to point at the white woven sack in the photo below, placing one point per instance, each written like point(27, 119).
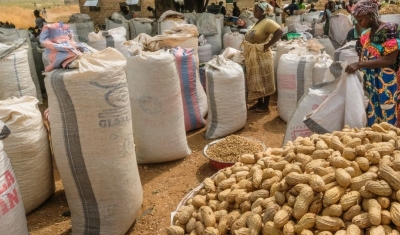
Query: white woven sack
point(157, 111)
point(248, 17)
point(140, 25)
point(339, 26)
point(216, 40)
point(323, 62)
point(113, 23)
point(15, 76)
point(346, 53)
point(283, 47)
point(28, 149)
point(93, 143)
point(83, 29)
point(276, 62)
point(294, 79)
point(13, 220)
point(168, 24)
point(225, 87)
point(10, 35)
point(311, 17)
point(226, 29)
point(271, 16)
point(310, 101)
point(205, 53)
point(392, 18)
point(233, 40)
point(112, 38)
point(329, 49)
point(279, 19)
point(191, 18)
point(318, 29)
point(289, 21)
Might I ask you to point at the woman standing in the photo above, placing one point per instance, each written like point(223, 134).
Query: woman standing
point(329, 9)
point(258, 57)
point(379, 61)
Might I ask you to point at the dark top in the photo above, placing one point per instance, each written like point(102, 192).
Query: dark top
point(312, 10)
point(236, 11)
point(223, 10)
point(292, 7)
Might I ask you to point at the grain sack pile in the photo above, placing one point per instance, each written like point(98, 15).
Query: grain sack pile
point(13, 220)
point(28, 149)
point(390, 14)
point(168, 19)
point(345, 182)
point(117, 20)
point(84, 26)
point(93, 143)
point(140, 25)
point(111, 38)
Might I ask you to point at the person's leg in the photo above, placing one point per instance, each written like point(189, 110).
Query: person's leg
point(259, 103)
point(264, 108)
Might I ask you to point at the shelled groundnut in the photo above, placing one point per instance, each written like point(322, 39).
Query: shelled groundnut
point(345, 182)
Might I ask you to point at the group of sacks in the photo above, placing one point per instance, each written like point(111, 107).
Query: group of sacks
point(137, 114)
point(305, 79)
point(340, 25)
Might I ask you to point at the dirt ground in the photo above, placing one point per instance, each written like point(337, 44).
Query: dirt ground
point(164, 185)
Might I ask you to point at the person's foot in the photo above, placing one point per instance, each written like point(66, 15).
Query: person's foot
point(262, 110)
point(255, 106)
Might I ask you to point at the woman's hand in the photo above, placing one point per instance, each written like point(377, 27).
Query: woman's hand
point(352, 68)
point(266, 47)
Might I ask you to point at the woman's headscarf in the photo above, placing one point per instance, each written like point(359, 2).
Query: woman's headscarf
point(266, 7)
point(364, 7)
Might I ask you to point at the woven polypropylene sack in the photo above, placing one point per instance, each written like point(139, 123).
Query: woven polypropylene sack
point(112, 38)
point(15, 79)
point(168, 24)
point(83, 29)
point(226, 97)
point(294, 79)
point(392, 18)
point(13, 220)
point(216, 39)
point(140, 25)
point(309, 102)
point(346, 53)
point(187, 68)
point(205, 53)
point(157, 110)
point(10, 35)
point(323, 62)
point(339, 26)
point(233, 40)
point(93, 145)
point(28, 149)
point(113, 23)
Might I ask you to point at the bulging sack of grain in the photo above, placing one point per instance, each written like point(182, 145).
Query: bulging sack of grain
point(140, 25)
point(84, 26)
point(315, 95)
point(339, 26)
point(347, 53)
point(28, 149)
point(117, 20)
point(216, 39)
point(157, 111)
point(392, 18)
point(112, 38)
point(294, 79)
point(233, 40)
point(248, 17)
point(291, 20)
point(226, 97)
point(10, 35)
point(283, 47)
point(323, 62)
point(205, 53)
point(311, 17)
point(186, 67)
point(93, 143)
point(13, 220)
point(15, 79)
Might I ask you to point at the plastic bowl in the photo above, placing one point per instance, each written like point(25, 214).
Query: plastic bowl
point(218, 165)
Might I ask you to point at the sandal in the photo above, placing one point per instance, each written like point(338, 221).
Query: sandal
point(255, 106)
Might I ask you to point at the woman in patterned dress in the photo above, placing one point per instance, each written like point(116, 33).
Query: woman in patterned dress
point(379, 61)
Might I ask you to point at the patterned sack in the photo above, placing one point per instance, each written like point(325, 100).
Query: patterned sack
point(186, 66)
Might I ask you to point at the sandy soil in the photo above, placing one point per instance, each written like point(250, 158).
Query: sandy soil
point(164, 185)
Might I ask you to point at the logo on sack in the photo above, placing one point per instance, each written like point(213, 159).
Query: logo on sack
point(300, 131)
point(10, 199)
point(150, 104)
point(117, 96)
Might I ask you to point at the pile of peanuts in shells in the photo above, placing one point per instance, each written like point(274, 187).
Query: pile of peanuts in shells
point(232, 147)
point(344, 182)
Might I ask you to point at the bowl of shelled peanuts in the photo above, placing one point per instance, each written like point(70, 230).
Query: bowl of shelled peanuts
point(226, 152)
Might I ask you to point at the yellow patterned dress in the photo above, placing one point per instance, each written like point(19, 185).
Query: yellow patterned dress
point(260, 79)
point(381, 83)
